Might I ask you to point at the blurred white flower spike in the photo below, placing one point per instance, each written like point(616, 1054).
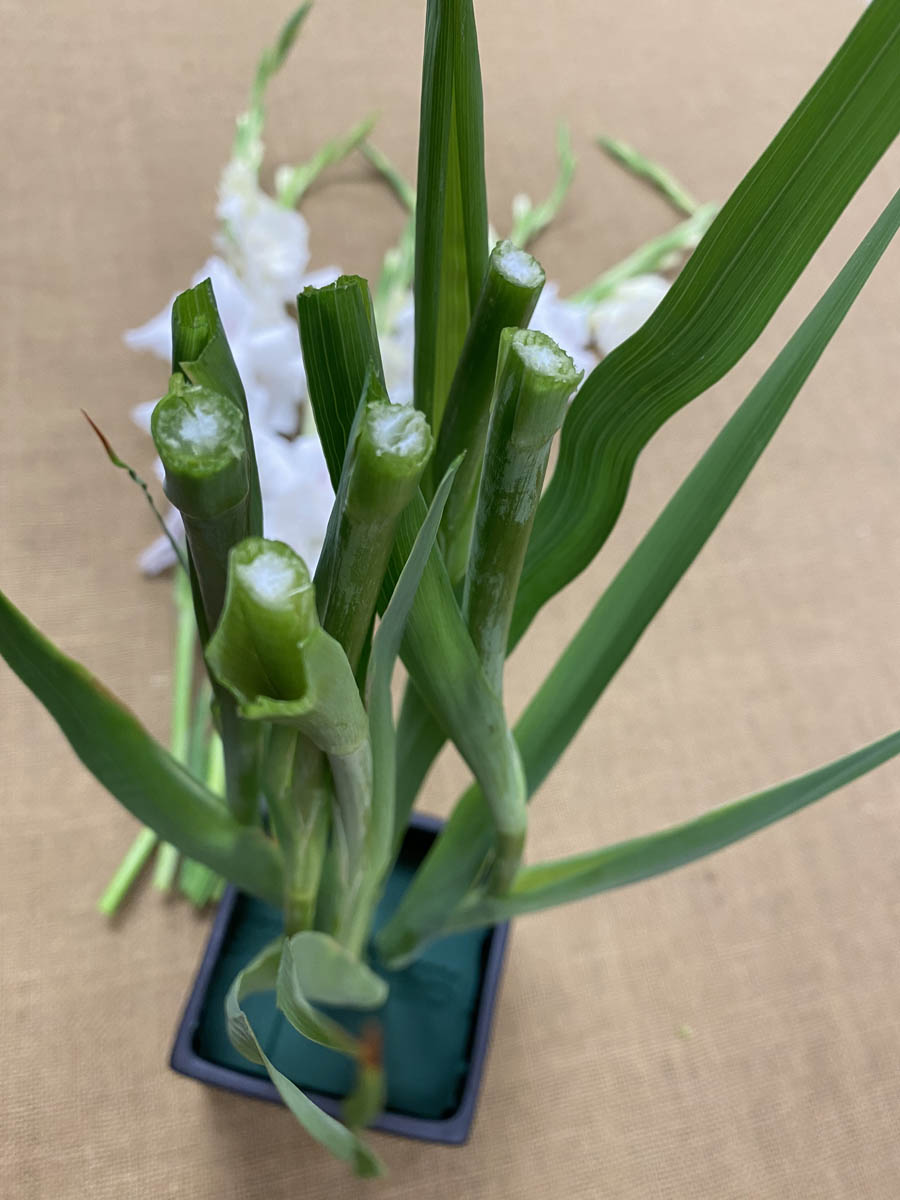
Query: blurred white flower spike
point(263, 262)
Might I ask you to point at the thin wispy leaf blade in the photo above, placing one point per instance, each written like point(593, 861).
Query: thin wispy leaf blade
point(745, 265)
point(451, 207)
point(135, 478)
point(133, 766)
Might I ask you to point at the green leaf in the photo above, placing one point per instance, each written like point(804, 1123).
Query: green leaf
point(633, 598)
point(134, 767)
point(385, 648)
point(260, 976)
point(560, 882)
point(328, 973)
point(735, 280)
point(200, 351)
point(292, 999)
point(451, 207)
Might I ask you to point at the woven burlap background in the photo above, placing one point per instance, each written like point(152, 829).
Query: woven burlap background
point(729, 1031)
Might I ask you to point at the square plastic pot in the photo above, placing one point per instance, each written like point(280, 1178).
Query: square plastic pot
point(436, 1023)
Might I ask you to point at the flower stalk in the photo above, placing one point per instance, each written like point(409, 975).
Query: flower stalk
point(387, 452)
point(535, 380)
point(509, 293)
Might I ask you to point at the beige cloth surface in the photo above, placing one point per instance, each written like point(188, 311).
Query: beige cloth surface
point(729, 1031)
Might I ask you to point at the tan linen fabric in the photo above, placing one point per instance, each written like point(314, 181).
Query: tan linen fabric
point(729, 1031)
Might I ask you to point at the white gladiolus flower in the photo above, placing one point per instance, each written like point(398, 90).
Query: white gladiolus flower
point(615, 319)
point(266, 244)
point(568, 324)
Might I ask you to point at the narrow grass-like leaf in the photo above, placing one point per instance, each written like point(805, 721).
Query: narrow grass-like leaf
point(548, 884)
point(720, 303)
point(633, 598)
point(260, 976)
point(384, 836)
point(451, 204)
point(385, 648)
point(133, 766)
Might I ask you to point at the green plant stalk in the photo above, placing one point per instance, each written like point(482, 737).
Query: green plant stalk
point(166, 865)
point(199, 436)
point(207, 761)
point(298, 796)
point(509, 292)
point(127, 872)
point(535, 380)
point(250, 124)
point(381, 844)
point(272, 654)
point(515, 464)
point(622, 613)
point(647, 171)
point(386, 455)
point(200, 352)
point(145, 842)
point(339, 347)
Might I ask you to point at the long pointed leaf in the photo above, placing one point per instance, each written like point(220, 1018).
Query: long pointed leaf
point(633, 598)
point(743, 268)
point(134, 767)
point(385, 648)
point(548, 884)
point(451, 209)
